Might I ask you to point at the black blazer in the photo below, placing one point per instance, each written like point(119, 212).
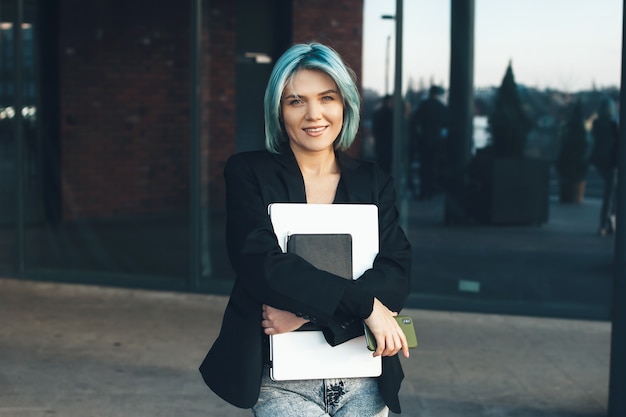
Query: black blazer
point(264, 275)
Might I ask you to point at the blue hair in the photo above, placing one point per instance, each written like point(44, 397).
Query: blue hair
point(312, 56)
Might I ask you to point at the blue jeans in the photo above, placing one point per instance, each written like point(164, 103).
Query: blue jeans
point(351, 397)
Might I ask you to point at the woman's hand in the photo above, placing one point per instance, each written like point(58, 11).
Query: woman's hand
point(390, 338)
point(277, 321)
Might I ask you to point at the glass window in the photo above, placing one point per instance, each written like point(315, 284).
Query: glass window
point(111, 142)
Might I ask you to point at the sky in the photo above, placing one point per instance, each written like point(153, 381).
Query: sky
point(569, 45)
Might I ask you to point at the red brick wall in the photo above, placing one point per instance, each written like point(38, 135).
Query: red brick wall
point(220, 93)
point(124, 82)
point(338, 24)
point(124, 87)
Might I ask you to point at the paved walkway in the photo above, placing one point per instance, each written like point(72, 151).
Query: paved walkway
point(86, 351)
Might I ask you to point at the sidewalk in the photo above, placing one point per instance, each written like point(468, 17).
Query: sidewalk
point(86, 351)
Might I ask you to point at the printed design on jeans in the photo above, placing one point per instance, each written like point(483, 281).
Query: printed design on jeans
point(334, 393)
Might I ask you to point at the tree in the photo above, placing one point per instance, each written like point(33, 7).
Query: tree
point(508, 187)
point(508, 123)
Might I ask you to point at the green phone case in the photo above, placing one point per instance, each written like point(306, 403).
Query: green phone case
point(405, 323)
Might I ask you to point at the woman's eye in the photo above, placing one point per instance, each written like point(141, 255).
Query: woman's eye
point(295, 102)
point(328, 98)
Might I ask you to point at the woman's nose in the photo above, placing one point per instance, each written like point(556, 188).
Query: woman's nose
point(313, 111)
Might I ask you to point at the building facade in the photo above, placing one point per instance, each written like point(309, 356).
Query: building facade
point(116, 120)
point(111, 173)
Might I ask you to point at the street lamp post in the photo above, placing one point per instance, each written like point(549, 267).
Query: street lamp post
point(398, 171)
point(617, 369)
point(387, 65)
point(387, 17)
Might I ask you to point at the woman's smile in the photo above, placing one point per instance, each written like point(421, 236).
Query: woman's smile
point(315, 131)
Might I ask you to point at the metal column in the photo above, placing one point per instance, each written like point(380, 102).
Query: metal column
point(399, 153)
point(461, 102)
point(617, 377)
point(195, 214)
point(20, 157)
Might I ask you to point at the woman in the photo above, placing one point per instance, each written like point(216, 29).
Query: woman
point(311, 117)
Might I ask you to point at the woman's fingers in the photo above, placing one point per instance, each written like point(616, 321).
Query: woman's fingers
point(276, 321)
point(389, 336)
point(391, 344)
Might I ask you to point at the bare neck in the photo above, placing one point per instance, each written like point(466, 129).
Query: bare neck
point(321, 175)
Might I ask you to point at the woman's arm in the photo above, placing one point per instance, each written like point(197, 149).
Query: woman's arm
point(284, 281)
point(386, 284)
point(287, 282)
point(389, 278)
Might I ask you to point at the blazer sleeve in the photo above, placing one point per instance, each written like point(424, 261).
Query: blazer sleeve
point(388, 279)
point(282, 280)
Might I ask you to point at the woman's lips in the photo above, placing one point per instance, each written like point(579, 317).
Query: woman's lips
point(315, 130)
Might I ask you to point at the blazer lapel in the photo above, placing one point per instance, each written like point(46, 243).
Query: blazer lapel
point(291, 175)
point(357, 183)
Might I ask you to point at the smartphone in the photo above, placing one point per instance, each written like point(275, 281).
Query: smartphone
point(405, 323)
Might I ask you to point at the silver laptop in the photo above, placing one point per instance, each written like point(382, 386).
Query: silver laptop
point(306, 354)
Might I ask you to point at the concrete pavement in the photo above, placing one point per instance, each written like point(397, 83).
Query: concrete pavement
point(87, 351)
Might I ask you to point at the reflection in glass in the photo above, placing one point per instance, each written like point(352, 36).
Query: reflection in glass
point(109, 144)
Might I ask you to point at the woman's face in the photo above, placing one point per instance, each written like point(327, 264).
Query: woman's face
point(312, 111)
